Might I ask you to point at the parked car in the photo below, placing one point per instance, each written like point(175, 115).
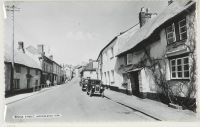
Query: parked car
point(84, 84)
point(81, 81)
point(95, 86)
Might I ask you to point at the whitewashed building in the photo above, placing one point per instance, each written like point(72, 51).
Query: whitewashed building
point(108, 63)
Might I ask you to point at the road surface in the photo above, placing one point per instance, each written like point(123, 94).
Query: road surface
point(67, 103)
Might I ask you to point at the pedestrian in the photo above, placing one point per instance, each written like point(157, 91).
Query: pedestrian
point(47, 83)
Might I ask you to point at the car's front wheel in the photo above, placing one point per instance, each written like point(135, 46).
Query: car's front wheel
point(90, 93)
point(102, 95)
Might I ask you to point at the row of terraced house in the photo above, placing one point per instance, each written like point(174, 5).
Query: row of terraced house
point(155, 58)
point(32, 69)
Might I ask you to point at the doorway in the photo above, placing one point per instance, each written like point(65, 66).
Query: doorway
point(134, 83)
point(28, 83)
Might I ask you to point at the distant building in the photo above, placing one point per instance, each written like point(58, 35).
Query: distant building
point(63, 75)
point(57, 73)
point(47, 69)
point(51, 70)
point(90, 70)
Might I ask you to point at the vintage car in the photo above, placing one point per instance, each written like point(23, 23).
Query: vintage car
point(84, 83)
point(81, 81)
point(95, 86)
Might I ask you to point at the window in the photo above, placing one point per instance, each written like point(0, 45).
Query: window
point(113, 77)
point(112, 53)
point(171, 36)
point(28, 70)
point(36, 72)
point(36, 82)
point(104, 57)
point(125, 78)
point(105, 77)
point(129, 58)
point(108, 77)
point(107, 57)
point(177, 31)
point(44, 66)
point(125, 59)
point(182, 29)
point(180, 68)
point(18, 68)
point(16, 83)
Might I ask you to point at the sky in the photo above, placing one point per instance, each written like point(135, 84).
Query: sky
point(74, 31)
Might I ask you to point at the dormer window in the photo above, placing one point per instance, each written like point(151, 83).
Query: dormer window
point(182, 29)
point(171, 36)
point(129, 58)
point(177, 31)
point(112, 53)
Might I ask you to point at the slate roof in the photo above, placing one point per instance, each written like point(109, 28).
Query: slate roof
point(32, 50)
point(20, 58)
point(146, 31)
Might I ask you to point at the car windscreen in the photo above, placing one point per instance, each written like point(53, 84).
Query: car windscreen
point(95, 81)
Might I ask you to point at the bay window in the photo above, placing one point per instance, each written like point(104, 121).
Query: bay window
point(180, 68)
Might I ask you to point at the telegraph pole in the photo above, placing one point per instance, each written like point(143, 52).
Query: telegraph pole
point(12, 8)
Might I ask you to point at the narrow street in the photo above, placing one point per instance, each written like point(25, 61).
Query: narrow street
point(70, 104)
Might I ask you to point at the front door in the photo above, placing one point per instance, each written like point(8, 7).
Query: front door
point(28, 82)
point(134, 83)
point(28, 79)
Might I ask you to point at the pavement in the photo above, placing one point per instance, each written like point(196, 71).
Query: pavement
point(19, 97)
point(152, 108)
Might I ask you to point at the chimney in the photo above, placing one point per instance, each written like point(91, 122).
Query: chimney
point(170, 1)
point(144, 16)
point(40, 49)
point(51, 57)
point(90, 60)
point(21, 46)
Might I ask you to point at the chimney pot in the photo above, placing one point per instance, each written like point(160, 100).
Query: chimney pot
point(147, 10)
point(170, 1)
point(142, 9)
point(51, 57)
point(144, 16)
point(21, 46)
point(40, 49)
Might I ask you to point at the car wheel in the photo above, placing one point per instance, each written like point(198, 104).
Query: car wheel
point(102, 94)
point(90, 93)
